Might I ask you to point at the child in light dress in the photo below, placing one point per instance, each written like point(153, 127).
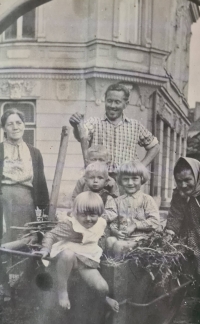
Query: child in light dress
point(74, 245)
point(138, 214)
point(97, 153)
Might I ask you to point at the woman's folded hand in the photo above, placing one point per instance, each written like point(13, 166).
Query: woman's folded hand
point(169, 235)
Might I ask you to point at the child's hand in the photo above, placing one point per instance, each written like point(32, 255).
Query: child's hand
point(131, 229)
point(121, 235)
point(43, 253)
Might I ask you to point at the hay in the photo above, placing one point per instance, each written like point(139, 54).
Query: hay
point(163, 260)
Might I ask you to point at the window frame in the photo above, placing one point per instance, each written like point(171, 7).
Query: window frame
point(19, 37)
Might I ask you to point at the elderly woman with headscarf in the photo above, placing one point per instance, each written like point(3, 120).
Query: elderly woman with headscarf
point(22, 181)
point(184, 214)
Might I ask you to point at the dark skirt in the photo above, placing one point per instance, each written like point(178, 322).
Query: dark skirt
point(18, 209)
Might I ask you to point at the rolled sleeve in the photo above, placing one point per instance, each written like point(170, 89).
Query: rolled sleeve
point(146, 139)
point(152, 144)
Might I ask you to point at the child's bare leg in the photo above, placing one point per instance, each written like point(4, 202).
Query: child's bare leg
point(95, 281)
point(110, 241)
point(113, 304)
point(66, 262)
point(122, 247)
point(131, 245)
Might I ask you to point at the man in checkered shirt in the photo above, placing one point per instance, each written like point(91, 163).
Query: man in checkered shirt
point(119, 134)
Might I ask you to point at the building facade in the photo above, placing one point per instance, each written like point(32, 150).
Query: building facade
point(193, 140)
point(61, 57)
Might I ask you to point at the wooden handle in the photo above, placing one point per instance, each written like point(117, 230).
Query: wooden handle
point(83, 141)
point(58, 172)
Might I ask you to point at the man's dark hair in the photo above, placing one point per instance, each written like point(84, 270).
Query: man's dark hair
point(119, 87)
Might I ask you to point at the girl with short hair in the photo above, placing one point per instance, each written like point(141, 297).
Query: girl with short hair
point(138, 214)
point(74, 245)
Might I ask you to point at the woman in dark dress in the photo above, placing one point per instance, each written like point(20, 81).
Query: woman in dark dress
point(184, 214)
point(22, 181)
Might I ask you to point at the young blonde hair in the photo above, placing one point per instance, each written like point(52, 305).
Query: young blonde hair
point(135, 168)
point(88, 202)
point(100, 149)
point(97, 167)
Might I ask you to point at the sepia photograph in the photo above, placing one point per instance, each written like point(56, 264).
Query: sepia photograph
point(100, 161)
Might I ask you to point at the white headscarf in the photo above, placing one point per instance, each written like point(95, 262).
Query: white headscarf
point(194, 165)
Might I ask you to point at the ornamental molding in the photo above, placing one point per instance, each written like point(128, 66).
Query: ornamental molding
point(86, 76)
point(14, 89)
point(25, 80)
point(145, 94)
point(98, 88)
point(179, 126)
point(170, 117)
point(176, 107)
point(164, 112)
point(133, 77)
point(182, 12)
point(28, 86)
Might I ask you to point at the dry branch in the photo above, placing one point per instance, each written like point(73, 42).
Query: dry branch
point(23, 254)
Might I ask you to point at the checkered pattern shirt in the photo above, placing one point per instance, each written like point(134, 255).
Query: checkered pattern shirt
point(120, 140)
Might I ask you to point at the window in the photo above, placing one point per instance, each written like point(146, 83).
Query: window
point(129, 21)
point(22, 28)
point(28, 108)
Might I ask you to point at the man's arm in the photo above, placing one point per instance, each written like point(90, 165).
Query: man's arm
point(88, 126)
point(151, 154)
point(76, 133)
point(149, 142)
point(75, 120)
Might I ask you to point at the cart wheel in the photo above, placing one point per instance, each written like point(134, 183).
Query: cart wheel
point(175, 306)
point(165, 310)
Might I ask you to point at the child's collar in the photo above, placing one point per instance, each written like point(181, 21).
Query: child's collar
point(135, 195)
point(77, 227)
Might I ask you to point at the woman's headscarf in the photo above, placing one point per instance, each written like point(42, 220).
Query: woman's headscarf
point(194, 165)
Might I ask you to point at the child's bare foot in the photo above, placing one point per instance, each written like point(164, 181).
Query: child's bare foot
point(64, 300)
point(114, 305)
